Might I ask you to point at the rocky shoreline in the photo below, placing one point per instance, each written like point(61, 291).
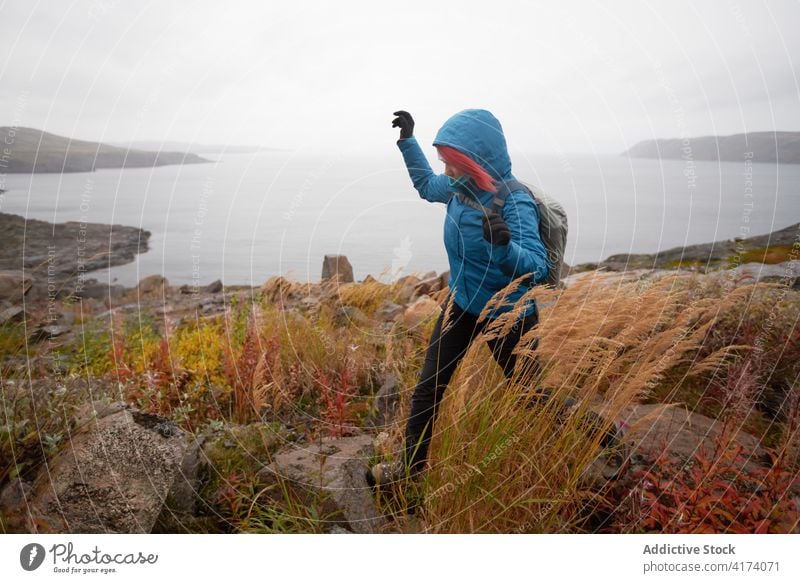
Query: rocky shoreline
point(56, 259)
point(58, 256)
point(770, 248)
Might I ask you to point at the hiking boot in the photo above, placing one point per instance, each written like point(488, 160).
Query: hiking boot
point(617, 451)
point(386, 473)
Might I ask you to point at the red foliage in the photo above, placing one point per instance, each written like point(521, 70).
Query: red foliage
point(713, 493)
point(336, 399)
point(117, 351)
point(230, 497)
point(240, 368)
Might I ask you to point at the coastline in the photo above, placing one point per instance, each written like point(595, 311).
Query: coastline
point(66, 253)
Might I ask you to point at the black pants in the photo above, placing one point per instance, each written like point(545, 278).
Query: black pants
point(445, 350)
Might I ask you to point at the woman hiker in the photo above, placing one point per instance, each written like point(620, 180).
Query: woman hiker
point(485, 250)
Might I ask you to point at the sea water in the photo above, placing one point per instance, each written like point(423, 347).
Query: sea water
point(245, 217)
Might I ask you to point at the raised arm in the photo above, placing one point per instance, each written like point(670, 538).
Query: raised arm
point(432, 187)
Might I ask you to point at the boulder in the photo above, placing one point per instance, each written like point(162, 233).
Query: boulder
point(386, 402)
point(407, 288)
point(786, 272)
point(183, 500)
point(13, 315)
point(444, 279)
point(113, 476)
point(48, 332)
point(674, 433)
point(13, 504)
point(429, 275)
point(658, 428)
point(309, 302)
point(418, 312)
point(350, 316)
point(329, 475)
point(337, 266)
point(389, 311)
point(14, 285)
point(428, 286)
point(411, 280)
point(214, 287)
point(153, 286)
point(91, 288)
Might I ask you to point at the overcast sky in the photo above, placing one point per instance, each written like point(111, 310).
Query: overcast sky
point(323, 76)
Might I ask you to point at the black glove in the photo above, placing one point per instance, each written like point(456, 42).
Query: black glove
point(405, 122)
point(495, 229)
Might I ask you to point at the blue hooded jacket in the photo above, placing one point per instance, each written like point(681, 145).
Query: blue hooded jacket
point(479, 269)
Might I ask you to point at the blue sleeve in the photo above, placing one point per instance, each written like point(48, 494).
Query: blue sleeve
point(432, 187)
point(525, 252)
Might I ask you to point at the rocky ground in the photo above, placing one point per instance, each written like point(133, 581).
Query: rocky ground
point(329, 472)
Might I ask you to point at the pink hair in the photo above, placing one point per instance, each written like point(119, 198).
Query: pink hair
point(466, 165)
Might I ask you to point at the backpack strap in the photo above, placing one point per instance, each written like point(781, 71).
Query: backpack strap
point(471, 201)
point(498, 200)
point(504, 189)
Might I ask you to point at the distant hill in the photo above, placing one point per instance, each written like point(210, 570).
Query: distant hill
point(27, 150)
point(781, 147)
point(197, 148)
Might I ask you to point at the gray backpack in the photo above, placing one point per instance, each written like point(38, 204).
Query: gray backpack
point(552, 222)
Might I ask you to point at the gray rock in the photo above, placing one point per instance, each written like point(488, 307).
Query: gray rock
point(329, 475)
point(785, 272)
point(49, 332)
point(214, 287)
point(608, 278)
point(672, 432)
point(153, 286)
point(14, 285)
point(64, 251)
point(428, 286)
point(91, 288)
point(407, 288)
point(13, 505)
point(13, 315)
point(309, 302)
point(681, 433)
point(444, 279)
point(113, 477)
point(389, 311)
point(418, 312)
point(337, 266)
point(411, 280)
point(350, 316)
point(429, 275)
point(386, 402)
point(182, 501)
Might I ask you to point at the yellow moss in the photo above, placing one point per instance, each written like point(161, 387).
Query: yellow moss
point(200, 350)
point(769, 255)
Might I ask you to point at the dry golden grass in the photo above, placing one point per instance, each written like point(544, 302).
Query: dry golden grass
point(497, 466)
point(367, 296)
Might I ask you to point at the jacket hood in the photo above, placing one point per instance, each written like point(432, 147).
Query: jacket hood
point(479, 135)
